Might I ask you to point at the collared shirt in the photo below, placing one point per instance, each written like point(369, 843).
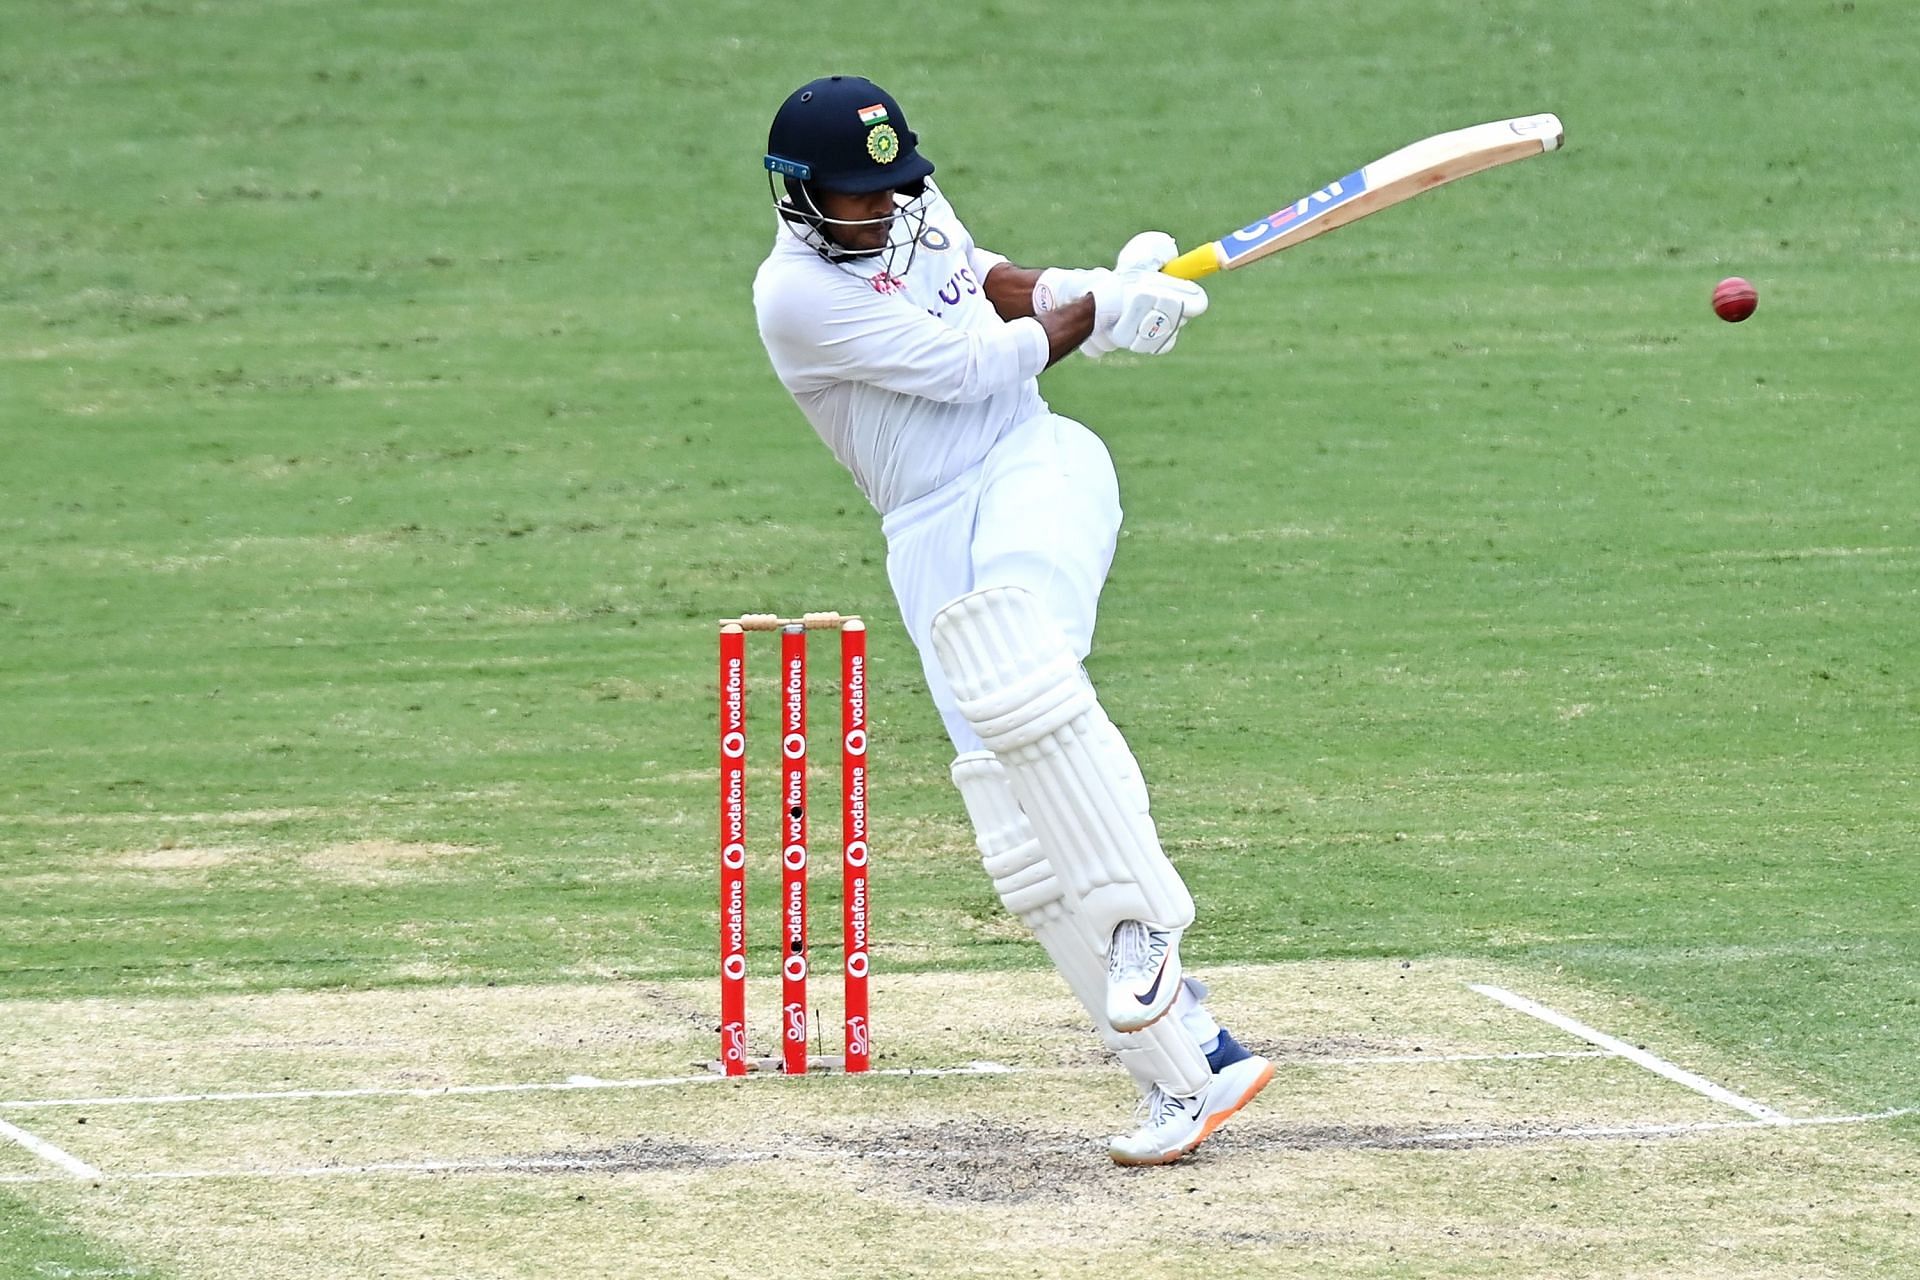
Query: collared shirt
point(908, 379)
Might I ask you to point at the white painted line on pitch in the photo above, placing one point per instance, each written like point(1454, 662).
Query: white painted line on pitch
point(1417, 1059)
point(1639, 1057)
point(47, 1151)
point(557, 1165)
point(552, 1164)
point(579, 1082)
point(1663, 1130)
point(571, 1084)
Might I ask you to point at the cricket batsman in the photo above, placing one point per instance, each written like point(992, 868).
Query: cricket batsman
point(915, 355)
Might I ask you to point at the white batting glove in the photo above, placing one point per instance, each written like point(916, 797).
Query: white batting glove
point(1148, 251)
point(1109, 296)
point(1058, 286)
point(1153, 310)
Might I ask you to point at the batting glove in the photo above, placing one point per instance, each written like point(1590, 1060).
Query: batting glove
point(1148, 251)
point(1058, 286)
point(1153, 310)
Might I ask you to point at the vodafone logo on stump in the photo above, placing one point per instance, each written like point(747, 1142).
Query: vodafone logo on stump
point(789, 832)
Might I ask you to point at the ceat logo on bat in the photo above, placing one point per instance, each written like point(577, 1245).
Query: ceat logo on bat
point(1300, 211)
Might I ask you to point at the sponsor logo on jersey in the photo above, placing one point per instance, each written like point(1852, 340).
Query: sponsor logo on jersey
point(959, 286)
point(935, 239)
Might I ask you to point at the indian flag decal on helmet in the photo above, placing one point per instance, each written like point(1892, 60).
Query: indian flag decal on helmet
point(875, 114)
point(883, 144)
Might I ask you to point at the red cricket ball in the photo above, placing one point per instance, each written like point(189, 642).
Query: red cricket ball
point(1734, 299)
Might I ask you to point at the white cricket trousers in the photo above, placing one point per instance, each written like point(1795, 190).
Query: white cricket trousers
point(1040, 511)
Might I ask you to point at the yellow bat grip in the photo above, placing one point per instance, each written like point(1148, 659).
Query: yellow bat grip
point(1195, 263)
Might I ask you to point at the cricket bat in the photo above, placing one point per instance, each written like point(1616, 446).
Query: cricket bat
point(1421, 166)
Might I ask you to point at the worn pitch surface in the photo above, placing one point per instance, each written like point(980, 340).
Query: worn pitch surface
point(564, 1130)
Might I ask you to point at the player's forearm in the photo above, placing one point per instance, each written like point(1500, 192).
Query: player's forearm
point(1010, 290)
point(1067, 327)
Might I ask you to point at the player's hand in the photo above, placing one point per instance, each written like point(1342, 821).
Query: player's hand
point(1058, 286)
point(1152, 309)
point(1148, 251)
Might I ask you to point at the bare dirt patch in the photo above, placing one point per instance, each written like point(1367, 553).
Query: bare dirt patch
point(368, 861)
point(979, 1161)
point(170, 857)
point(642, 1155)
point(356, 861)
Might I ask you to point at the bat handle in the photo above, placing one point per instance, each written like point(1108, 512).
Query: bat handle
point(1195, 263)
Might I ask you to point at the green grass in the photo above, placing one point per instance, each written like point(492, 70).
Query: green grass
point(35, 1244)
point(382, 424)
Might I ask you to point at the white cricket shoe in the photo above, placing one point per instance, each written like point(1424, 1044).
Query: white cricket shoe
point(1143, 975)
point(1175, 1126)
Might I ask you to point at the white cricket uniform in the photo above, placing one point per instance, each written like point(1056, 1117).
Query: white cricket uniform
point(930, 399)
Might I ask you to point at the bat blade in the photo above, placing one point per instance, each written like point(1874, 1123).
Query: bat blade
point(1400, 175)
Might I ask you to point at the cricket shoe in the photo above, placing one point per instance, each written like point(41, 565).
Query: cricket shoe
point(1173, 1127)
point(1143, 975)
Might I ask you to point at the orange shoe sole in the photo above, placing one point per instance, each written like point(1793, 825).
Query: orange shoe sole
point(1214, 1121)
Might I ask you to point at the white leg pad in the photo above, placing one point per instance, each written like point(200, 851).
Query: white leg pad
point(1165, 1053)
point(1020, 686)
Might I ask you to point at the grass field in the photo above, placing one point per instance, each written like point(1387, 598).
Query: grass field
point(382, 425)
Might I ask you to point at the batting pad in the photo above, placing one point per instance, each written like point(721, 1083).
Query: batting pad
point(1164, 1053)
point(1019, 684)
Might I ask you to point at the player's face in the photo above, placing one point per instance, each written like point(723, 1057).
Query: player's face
point(869, 213)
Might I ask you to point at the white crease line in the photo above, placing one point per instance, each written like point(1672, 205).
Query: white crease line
point(1640, 1057)
point(420, 1167)
point(1657, 1130)
point(47, 1151)
point(1416, 1059)
point(588, 1082)
point(463, 1090)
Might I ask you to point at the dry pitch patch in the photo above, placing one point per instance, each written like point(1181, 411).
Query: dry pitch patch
point(561, 1131)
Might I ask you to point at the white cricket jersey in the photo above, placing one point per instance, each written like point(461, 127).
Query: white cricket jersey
point(909, 379)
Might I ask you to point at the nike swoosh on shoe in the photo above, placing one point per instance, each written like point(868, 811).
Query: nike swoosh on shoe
point(1154, 990)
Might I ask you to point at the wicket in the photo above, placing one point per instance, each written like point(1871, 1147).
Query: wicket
point(793, 1059)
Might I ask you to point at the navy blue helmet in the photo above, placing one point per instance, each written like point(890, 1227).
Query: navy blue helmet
point(845, 133)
